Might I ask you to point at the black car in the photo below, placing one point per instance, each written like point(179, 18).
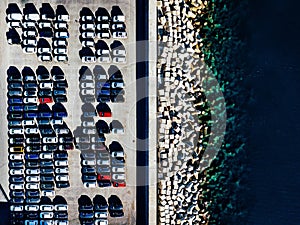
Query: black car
point(47, 171)
point(30, 193)
point(32, 215)
point(88, 170)
point(104, 183)
point(16, 179)
point(62, 184)
point(45, 93)
point(16, 193)
point(16, 215)
point(46, 178)
point(17, 200)
point(16, 164)
point(60, 84)
point(46, 163)
point(60, 98)
point(89, 178)
point(60, 155)
point(47, 186)
point(32, 164)
point(100, 203)
point(61, 215)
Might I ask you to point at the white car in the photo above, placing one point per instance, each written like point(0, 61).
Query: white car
point(120, 176)
point(29, 24)
point(87, 85)
point(32, 171)
point(45, 58)
point(61, 207)
point(47, 208)
point(64, 170)
point(29, 49)
point(61, 162)
point(32, 16)
point(61, 25)
point(89, 131)
point(62, 131)
point(88, 43)
point(16, 186)
point(32, 178)
point(28, 123)
point(48, 155)
point(119, 52)
point(31, 207)
point(88, 34)
point(90, 184)
point(117, 154)
point(63, 17)
point(102, 52)
point(88, 59)
point(101, 222)
point(13, 131)
point(32, 186)
point(28, 100)
point(62, 178)
point(46, 215)
point(12, 24)
point(61, 58)
point(88, 91)
point(60, 42)
point(88, 26)
point(116, 169)
point(57, 121)
point(47, 85)
point(16, 171)
point(16, 156)
point(118, 26)
point(119, 34)
point(87, 18)
point(48, 193)
point(32, 42)
point(101, 215)
point(61, 34)
point(102, 162)
point(117, 85)
point(87, 162)
point(102, 26)
point(30, 33)
point(44, 50)
point(103, 34)
point(31, 130)
point(16, 208)
point(104, 59)
point(45, 24)
point(60, 51)
point(88, 123)
point(121, 59)
point(49, 140)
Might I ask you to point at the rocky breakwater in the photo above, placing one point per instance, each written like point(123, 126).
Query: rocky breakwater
point(185, 115)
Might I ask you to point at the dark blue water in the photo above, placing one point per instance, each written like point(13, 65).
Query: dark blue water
point(273, 151)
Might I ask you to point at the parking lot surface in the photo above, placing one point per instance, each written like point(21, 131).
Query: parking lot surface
point(125, 112)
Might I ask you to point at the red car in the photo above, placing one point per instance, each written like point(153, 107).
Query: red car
point(45, 100)
point(106, 176)
point(104, 114)
point(119, 183)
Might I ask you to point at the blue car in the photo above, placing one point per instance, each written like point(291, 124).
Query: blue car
point(103, 92)
point(14, 108)
point(102, 84)
point(44, 115)
point(15, 101)
point(60, 114)
point(30, 115)
point(31, 156)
